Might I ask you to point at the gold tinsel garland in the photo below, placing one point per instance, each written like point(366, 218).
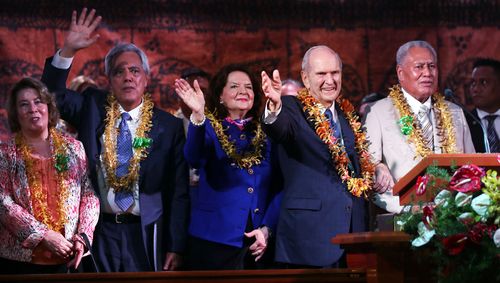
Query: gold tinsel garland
point(356, 186)
point(39, 197)
point(248, 159)
point(139, 153)
point(443, 117)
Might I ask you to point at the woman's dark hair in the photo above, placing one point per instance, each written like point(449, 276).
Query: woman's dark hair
point(218, 83)
point(45, 96)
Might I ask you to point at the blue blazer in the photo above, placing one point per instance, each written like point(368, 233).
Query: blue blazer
point(227, 195)
point(163, 175)
point(316, 205)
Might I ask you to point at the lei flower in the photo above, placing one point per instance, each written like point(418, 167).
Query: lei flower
point(140, 144)
point(411, 128)
point(60, 160)
point(247, 159)
point(356, 186)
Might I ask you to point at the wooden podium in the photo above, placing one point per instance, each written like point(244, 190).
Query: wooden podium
point(405, 187)
point(388, 253)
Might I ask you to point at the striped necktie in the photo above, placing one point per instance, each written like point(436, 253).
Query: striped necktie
point(334, 126)
point(492, 133)
point(426, 126)
point(124, 153)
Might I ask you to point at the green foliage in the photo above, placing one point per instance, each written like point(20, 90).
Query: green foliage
point(477, 258)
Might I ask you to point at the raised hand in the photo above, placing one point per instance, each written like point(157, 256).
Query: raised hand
point(193, 98)
point(80, 32)
point(272, 89)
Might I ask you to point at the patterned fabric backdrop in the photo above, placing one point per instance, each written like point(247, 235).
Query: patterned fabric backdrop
point(263, 34)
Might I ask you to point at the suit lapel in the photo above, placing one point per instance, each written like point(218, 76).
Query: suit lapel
point(153, 134)
point(348, 137)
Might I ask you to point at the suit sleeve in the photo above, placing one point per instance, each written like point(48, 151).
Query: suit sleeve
point(468, 143)
point(179, 214)
point(373, 128)
point(275, 191)
point(89, 203)
point(196, 147)
point(69, 103)
point(283, 129)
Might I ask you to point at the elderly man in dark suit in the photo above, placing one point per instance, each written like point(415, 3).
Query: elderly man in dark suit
point(134, 152)
point(485, 90)
point(325, 175)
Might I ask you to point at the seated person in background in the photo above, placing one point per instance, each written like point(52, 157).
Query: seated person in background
point(236, 204)
point(412, 122)
point(290, 87)
point(46, 198)
point(485, 91)
point(369, 100)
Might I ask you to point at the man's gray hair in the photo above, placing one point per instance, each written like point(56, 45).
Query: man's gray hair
point(109, 60)
point(403, 50)
point(305, 60)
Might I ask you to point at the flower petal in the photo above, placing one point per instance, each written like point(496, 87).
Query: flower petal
point(496, 238)
point(425, 235)
point(442, 198)
point(480, 205)
point(462, 199)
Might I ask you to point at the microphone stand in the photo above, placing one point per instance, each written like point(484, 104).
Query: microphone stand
point(448, 93)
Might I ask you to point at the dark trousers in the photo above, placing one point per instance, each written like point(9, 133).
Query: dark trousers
point(120, 247)
point(8, 266)
point(208, 255)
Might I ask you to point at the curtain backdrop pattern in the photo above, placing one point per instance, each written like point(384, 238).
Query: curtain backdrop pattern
point(261, 34)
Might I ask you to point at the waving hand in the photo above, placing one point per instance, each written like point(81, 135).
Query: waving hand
point(80, 33)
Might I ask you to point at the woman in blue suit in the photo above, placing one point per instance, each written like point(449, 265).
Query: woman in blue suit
point(236, 205)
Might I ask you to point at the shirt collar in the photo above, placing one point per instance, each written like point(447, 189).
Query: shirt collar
point(332, 108)
point(134, 113)
point(415, 105)
point(481, 114)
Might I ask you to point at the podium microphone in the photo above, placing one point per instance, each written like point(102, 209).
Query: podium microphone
point(448, 94)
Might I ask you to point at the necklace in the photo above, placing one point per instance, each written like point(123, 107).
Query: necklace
point(39, 197)
point(110, 159)
point(247, 159)
point(412, 128)
point(312, 109)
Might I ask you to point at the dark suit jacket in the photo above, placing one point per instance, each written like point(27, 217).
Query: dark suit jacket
point(163, 176)
point(316, 205)
point(476, 131)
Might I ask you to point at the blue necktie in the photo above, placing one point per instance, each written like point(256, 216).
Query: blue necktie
point(337, 134)
point(334, 126)
point(492, 133)
point(124, 153)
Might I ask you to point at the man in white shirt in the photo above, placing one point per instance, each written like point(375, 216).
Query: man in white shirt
point(485, 90)
point(412, 122)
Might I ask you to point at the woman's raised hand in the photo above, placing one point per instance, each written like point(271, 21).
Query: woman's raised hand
point(192, 97)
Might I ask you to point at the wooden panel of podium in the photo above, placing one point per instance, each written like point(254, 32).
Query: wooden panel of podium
point(237, 276)
point(388, 254)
